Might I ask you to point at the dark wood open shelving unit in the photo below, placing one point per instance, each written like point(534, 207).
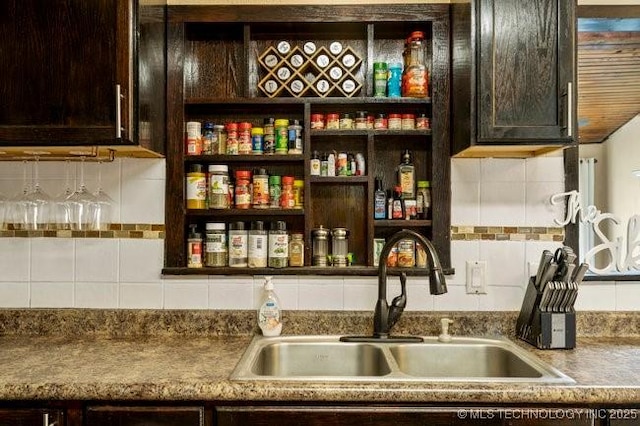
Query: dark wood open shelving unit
point(224, 44)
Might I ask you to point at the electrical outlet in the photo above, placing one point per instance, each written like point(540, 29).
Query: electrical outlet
point(476, 277)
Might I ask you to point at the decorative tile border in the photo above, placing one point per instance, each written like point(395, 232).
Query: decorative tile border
point(116, 230)
point(507, 233)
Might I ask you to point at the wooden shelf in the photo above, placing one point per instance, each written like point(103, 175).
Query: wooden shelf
point(414, 132)
point(244, 212)
point(309, 100)
point(338, 179)
point(305, 270)
point(276, 158)
point(386, 223)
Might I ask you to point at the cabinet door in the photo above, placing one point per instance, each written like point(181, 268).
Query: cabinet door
point(144, 416)
point(526, 68)
point(61, 64)
point(31, 417)
point(397, 416)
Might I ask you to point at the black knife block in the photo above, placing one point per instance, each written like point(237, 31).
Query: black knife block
point(544, 330)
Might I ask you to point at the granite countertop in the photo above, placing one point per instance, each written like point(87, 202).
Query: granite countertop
point(169, 366)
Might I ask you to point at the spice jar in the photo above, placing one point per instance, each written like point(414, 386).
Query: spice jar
point(317, 122)
point(278, 245)
point(346, 121)
point(295, 137)
point(286, 198)
point(208, 139)
point(408, 122)
point(193, 139)
point(196, 191)
point(298, 193)
point(221, 136)
point(423, 199)
point(261, 189)
point(380, 122)
point(238, 245)
point(242, 189)
point(380, 79)
point(244, 138)
point(339, 246)
point(257, 140)
point(296, 250)
point(314, 164)
point(394, 83)
point(333, 121)
point(320, 246)
point(232, 139)
point(282, 136)
point(269, 141)
point(218, 186)
point(422, 122)
point(275, 191)
point(194, 248)
point(361, 120)
point(258, 245)
point(215, 245)
point(395, 122)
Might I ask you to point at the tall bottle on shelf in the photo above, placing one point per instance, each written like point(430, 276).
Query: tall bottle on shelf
point(407, 176)
point(379, 201)
point(415, 77)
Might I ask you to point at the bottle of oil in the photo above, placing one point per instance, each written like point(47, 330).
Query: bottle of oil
point(407, 176)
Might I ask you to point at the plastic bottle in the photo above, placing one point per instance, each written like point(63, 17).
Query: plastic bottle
point(395, 80)
point(269, 318)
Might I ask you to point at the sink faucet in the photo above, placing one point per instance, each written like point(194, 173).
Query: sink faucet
point(386, 316)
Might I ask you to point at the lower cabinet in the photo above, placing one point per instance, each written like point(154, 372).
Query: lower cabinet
point(402, 416)
point(144, 416)
point(31, 417)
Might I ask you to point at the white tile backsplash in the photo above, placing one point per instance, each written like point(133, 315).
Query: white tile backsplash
point(186, 294)
point(141, 295)
point(502, 203)
point(505, 262)
point(140, 260)
point(231, 293)
point(538, 208)
point(15, 259)
point(96, 260)
point(52, 294)
point(14, 295)
point(97, 295)
point(52, 259)
point(125, 273)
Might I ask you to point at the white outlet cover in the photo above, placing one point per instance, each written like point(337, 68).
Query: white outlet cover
point(476, 277)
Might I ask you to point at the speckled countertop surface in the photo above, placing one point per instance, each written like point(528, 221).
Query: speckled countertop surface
point(37, 363)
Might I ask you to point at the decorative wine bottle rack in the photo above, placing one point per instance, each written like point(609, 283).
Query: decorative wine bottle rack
point(310, 72)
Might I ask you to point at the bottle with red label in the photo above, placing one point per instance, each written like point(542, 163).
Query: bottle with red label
point(415, 78)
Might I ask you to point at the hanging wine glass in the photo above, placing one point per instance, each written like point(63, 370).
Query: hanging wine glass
point(62, 209)
point(18, 203)
point(38, 203)
point(82, 205)
point(103, 206)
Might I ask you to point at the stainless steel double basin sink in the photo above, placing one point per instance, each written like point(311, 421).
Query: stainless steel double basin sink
point(326, 358)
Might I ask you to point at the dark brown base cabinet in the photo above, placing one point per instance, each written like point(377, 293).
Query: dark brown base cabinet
point(514, 77)
point(213, 75)
point(145, 416)
point(406, 416)
point(31, 417)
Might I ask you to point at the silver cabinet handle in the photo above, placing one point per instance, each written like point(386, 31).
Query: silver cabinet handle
point(570, 109)
point(119, 98)
point(45, 420)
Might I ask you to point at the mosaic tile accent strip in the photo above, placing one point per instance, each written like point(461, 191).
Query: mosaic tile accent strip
point(148, 231)
point(507, 233)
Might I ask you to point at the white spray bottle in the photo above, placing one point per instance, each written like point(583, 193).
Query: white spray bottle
point(269, 318)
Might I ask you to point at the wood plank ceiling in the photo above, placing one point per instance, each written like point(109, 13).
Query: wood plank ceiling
point(608, 78)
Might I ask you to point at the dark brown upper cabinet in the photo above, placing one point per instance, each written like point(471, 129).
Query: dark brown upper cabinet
point(78, 73)
point(514, 79)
